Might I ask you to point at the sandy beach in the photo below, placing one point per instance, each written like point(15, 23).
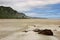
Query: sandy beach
point(12, 29)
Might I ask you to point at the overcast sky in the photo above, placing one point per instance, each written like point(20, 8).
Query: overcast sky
point(35, 8)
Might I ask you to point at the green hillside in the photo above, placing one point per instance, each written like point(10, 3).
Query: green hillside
point(9, 13)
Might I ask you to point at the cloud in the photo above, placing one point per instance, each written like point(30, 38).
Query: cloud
point(49, 11)
point(32, 14)
point(26, 5)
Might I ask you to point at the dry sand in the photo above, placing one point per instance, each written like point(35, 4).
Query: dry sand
point(11, 29)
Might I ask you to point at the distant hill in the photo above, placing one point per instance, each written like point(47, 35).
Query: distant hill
point(9, 13)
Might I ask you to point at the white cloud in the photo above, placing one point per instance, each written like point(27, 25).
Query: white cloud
point(26, 5)
point(33, 14)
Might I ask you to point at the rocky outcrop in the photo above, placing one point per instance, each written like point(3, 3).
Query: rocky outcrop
point(46, 32)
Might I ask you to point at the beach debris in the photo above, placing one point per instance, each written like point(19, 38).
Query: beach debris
point(36, 30)
point(55, 30)
point(59, 26)
point(25, 31)
point(34, 25)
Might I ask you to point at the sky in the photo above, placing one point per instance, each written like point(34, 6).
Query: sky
point(35, 8)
